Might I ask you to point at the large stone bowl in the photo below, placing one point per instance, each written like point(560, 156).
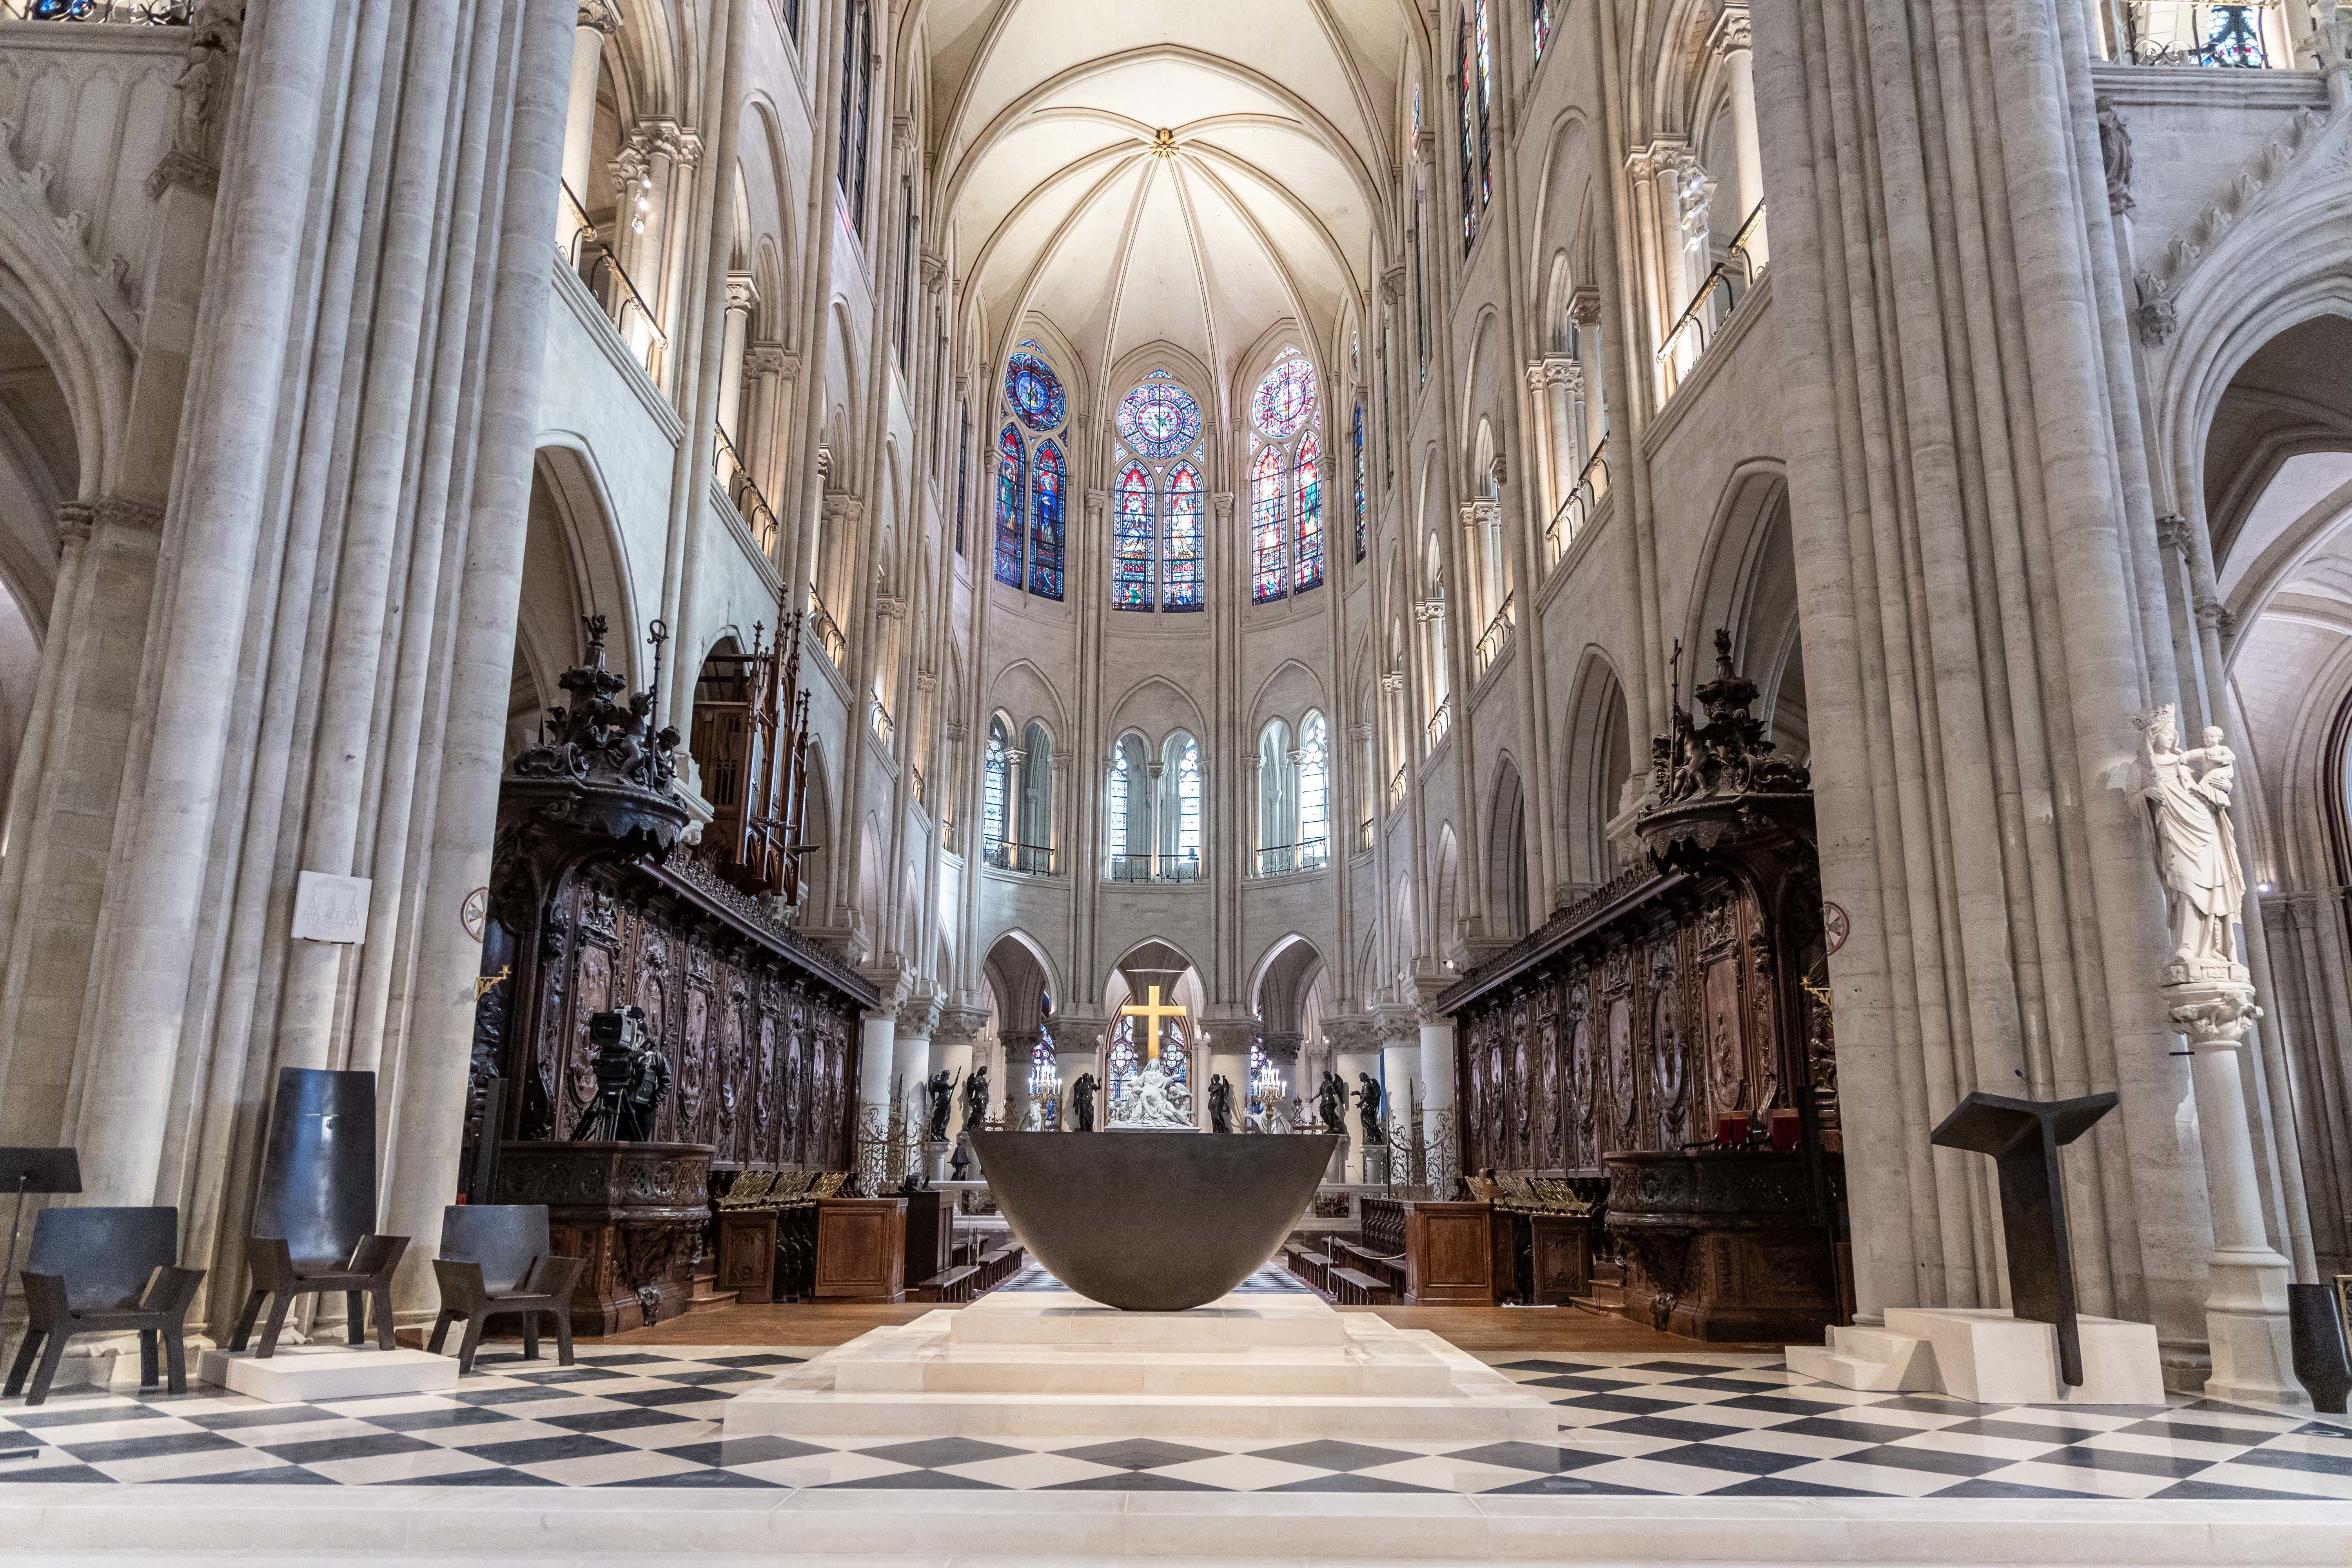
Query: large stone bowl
point(1152, 1222)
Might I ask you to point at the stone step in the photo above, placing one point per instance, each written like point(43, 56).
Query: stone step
point(1040, 1317)
point(1867, 1359)
point(898, 1362)
point(711, 1303)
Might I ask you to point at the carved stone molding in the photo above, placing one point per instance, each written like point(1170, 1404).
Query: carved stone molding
point(1429, 610)
point(934, 271)
point(76, 520)
point(742, 292)
point(927, 680)
point(772, 359)
point(1731, 34)
point(185, 170)
point(1392, 681)
point(1393, 285)
point(1585, 306)
point(600, 17)
point(2172, 533)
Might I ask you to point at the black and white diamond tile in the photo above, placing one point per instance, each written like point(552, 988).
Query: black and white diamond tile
point(1693, 1425)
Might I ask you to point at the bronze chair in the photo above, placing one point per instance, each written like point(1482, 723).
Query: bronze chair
point(314, 1219)
point(105, 1271)
point(495, 1260)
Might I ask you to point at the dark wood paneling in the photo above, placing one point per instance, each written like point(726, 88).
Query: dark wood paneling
point(861, 1249)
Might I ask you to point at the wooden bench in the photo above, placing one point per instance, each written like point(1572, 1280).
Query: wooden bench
point(1315, 1269)
point(1389, 1271)
point(1001, 1263)
point(1355, 1289)
point(957, 1285)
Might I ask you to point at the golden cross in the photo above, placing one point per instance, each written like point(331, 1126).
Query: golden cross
point(1154, 1013)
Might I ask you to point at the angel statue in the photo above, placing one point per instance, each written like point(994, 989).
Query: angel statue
point(2187, 794)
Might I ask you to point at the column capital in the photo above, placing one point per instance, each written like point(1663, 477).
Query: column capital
point(934, 270)
point(1392, 284)
point(2172, 533)
point(1098, 502)
point(1730, 34)
point(772, 359)
point(959, 1026)
point(844, 509)
point(1221, 501)
point(78, 519)
point(1427, 610)
point(919, 1014)
point(1585, 306)
point(742, 292)
point(1353, 1034)
point(600, 17)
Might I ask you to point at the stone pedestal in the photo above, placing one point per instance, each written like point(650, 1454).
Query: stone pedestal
point(935, 1163)
point(1052, 1363)
point(2247, 1318)
point(1376, 1165)
point(1988, 1356)
point(301, 1374)
point(1338, 1174)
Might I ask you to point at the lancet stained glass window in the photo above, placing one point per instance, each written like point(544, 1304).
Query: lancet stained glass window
point(1306, 566)
point(1357, 441)
point(1159, 420)
point(1188, 803)
point(1130, 561)
point(1045, 523)
point(1266, 553)
point(1181, 571)
point(1036, 392)
point(1314, 791)
point(1009, 464)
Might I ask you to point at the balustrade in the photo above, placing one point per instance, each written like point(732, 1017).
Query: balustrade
point(884, 730)
point(1173, 868)
point(138, 13)
point(1281, 859)
point(1496, 637)
point(1029, 860)
point(1441, 723)
point(1396, 787)
point(1577, 510)
point(828, 633)
point(758, 517)
point(610, 282)
point(2250, 35)
point(1720, 296)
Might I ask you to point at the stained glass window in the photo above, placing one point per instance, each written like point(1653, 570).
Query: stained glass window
point(1465, 85)
point(1121, 794)
point(1045, 524)
point(1286, 398)
point(1160, 419)
point(1009, 493)
point(1188, 803)
point(1357, 441)
point(963, 467)
point(1122, 1057)
point(1267, 581)
point(1130, 561)
point(1044, 1070)
point(1181, 571)
point(995, 787)
point(1486, 106)
point(1314, 791)
point(1543, 25)
point(1036, 392)
point(1307, 473)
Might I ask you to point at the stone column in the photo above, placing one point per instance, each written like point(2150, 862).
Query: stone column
point(599, 20)
point(910, 1065)
point(1400, 1080)
point(1730, 41)
point(214, 525)
point(1355, 1049)
point(877, 1059)
point(1437, 1102)
point(1078, 1048)
point(1230, 1036)
point(422, 1175)
point(1593, 408)
point(1017, 1050)
point(743, 298)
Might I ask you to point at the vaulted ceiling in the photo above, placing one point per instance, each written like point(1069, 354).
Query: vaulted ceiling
point(1066, 198)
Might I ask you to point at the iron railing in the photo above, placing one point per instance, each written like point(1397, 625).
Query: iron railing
point(1364, 831)
point(885, 731)
point(1397, 785)
point(1577, 510)
point(610, 282)
point(1441, 723)
point(2191, 33)
point(758, 517)
point(1720, 292)
point(1171, 868)
point(1496, 637)
point(1029, 860)
point(1281, 859)
point(827, 633)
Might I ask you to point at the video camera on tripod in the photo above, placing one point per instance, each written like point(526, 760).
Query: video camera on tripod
point(632, 1075)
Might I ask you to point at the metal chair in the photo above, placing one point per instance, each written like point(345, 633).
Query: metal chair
point(105, 1271)
point(314, 1215)
point(495, 1260)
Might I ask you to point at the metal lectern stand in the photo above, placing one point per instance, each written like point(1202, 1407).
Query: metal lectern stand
point(2023, 1136)
point(30, 1173)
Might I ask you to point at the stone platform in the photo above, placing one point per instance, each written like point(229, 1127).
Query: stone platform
point(1040, 1363)
point(1987, 1355)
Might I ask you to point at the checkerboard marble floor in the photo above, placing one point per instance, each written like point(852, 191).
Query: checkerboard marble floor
point(1701, 1424)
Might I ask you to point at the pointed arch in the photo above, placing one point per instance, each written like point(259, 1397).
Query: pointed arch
point(1012, 460)
point(1131, 540)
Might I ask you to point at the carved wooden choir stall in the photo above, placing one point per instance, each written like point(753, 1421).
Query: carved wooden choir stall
point(1660, 1033)
point(748, 1031)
